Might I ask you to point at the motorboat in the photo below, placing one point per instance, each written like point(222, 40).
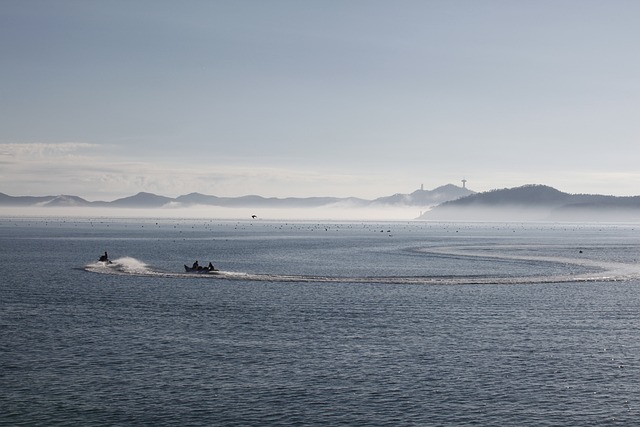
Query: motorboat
point(200, 269)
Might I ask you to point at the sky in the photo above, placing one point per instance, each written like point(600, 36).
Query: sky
point(287, 98)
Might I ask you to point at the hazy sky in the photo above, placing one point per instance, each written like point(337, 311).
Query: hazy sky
point(364, 98)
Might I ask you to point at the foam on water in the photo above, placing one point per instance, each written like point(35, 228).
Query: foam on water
point(605, 270)
point(124, 266)
point(608, 270)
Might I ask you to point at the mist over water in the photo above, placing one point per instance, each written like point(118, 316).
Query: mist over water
point(533, 214)
point(345, 211)
point(327, 213)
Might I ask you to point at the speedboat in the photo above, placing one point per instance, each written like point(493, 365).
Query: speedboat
point(200, 269)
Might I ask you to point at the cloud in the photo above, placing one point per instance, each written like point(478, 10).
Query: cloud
point(98, 172)
point(20, 151)
point(101, 172)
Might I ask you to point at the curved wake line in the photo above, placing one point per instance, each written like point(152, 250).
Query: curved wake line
point(609, 271)
point(412, 280)
point(123, 266)
point(128, 266)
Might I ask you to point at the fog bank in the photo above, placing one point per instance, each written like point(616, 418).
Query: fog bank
point(215, 212)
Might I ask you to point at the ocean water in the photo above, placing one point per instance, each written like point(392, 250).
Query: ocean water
point(318, 323)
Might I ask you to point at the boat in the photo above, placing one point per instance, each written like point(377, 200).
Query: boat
point(105, 258)
point(200, 269)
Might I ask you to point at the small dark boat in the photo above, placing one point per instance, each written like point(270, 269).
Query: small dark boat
point(105, 258)
point(200, 269)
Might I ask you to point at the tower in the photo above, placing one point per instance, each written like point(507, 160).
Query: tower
point(464, 183)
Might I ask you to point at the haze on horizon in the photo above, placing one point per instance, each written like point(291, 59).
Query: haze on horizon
point(317, 98)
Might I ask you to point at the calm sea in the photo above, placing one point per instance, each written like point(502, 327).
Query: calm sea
point(318, 323)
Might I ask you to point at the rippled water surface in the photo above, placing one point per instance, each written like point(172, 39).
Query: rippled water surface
point(318, 323)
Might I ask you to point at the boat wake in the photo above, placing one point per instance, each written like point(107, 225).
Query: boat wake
point(123, 266)
point(600, 271)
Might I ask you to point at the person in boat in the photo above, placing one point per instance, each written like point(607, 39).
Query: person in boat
point(211, 267)
point(105, 257)
point(195, 265)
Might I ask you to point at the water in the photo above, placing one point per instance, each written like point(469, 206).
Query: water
point(318, 323)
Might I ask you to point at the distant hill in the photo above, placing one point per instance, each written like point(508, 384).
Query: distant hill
point(419, 198)
point(140, 200)
point(6, 200)
point(536, 202)
point(445, 203)
point(426, 198)
point(64, 200)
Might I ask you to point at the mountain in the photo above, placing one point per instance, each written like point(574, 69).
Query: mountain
point(426, 198)
point(67, 201)
point(6, 200)
point(448, 203)
point(140, 200)
point(422, 198)
point(536, 202)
